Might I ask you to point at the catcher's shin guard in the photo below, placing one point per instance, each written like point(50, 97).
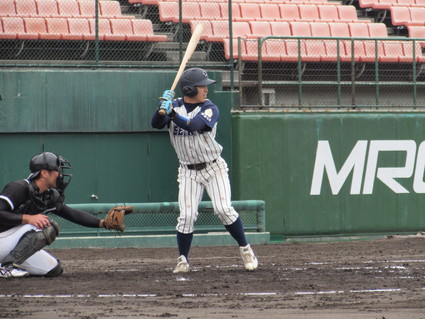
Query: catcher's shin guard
point(30, 243)
point(58, 270)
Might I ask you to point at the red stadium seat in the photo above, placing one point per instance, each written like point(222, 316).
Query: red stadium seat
point(123, 28)
point(221, 30)
point(393, 52)
point(210, 10)
point(377, 30)
point(294, 48)
point(7, 8)
point(384, 4)
point(26, 8)
point(417, 16)
point(367, 3)
point(289, 12)
point(400, 16)
point(300, 29)
point(358, 30)
point(224, 9)
point(79, 29)
point(57, 28)
point(34, 27)
point(168, 11)
point(328, 13)
point(226, 45)
point(275, 49)
point(69, 8)
point(104, 30)
point(348, 14)
point(110, 9)
point(417, 32)
point(208, 32)
point(309, 12)
point(13, 27)
point(88, 9)
point(408, 51)
point(249, 12)
point(145, 27)
point(270, 11)
point(339, 29)
point(280, 28)
point(47, 8)
point(260, 29)
point(320, 29)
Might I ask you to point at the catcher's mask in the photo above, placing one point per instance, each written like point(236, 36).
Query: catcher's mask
point(51, 162)
point(192, 78)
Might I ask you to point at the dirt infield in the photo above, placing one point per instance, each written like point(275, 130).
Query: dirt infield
point(383, 278)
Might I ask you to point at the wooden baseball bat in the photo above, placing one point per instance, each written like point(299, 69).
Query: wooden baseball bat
point(191, 46)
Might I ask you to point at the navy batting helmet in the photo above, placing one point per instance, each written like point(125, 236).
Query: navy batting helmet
point(192, 78)
point(51, 162)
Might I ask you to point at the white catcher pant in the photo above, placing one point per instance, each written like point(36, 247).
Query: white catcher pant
point(192, 183)
point(39, 263)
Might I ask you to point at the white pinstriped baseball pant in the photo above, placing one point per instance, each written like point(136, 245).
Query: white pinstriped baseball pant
point(192, 183)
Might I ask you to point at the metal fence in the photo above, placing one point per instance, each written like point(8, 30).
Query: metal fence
point(315, 72)
point(282, 67)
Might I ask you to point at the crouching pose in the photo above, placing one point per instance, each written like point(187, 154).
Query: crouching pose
point(25, 227)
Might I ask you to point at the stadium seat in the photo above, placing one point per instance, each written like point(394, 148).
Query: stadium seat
point(348, 13)
point(224, 10)
point(384, 4)
point(208, 32)
point(249, 12)
point(87, 9)
point(309, 12)
point(400, 16)
point(168, 11)
point(79, 29)
point(123, 28)
point(358, 30)
point(110, 9)
point(294, 48)
point(406, 3)
point(377, 30)
point(270, 12)
point(393, 52)
point(289, 12)
point(226, 45)
point(221, 30)
point(328, 13)
point(251, 50)
point(280, 28)
point(210, 10)
point(260, 29)
point(371, 54)
point(417, 16)
point(145, 27)
point(47, 8)
point(339, 29)
point(12, 27)
point(417, 32)
point(34, 27)
point(408, 51)
point(275, 49)
point(367, 3)
point(68, 8)
point(320, 29)
point(26, 8)
point(300, 29)
point(57, 28)
point(104, 30)
point(7, 8)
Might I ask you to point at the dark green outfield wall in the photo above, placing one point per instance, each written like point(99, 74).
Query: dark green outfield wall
point(100, 121)
point(319, 173)
point(333, 173)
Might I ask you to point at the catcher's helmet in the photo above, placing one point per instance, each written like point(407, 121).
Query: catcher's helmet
point(192, 78)
point(51, 162)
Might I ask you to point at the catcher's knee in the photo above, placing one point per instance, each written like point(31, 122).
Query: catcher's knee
point(51, 232)
point(56, 271)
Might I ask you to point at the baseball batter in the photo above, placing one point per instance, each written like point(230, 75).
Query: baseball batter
point(192, 124)
point(25, 227)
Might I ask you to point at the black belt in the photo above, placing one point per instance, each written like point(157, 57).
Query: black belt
point(199, 166)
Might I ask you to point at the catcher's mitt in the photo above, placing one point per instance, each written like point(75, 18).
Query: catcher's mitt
point(115, 217)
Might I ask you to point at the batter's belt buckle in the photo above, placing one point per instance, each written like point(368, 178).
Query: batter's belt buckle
point(199, 166)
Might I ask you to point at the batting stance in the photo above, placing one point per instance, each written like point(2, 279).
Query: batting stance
point(25, 227)
point(192, 124)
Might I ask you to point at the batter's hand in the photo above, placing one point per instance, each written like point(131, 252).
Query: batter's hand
point(40, 221)
point(166, 102)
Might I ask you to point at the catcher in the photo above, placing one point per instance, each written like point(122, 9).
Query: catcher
point(25, 227)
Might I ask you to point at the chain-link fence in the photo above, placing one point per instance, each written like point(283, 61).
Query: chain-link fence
point(322, 72)
point(312, 53)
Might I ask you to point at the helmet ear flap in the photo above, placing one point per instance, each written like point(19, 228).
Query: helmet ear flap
point(189, 90)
